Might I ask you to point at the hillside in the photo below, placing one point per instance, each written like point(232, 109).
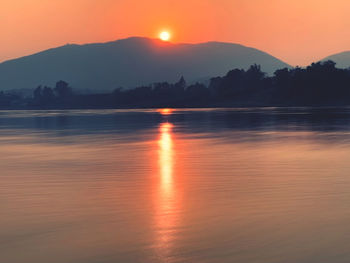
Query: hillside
point(130, 62)
point(342, 59)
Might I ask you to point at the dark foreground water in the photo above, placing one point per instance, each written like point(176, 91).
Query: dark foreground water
point(242, 186)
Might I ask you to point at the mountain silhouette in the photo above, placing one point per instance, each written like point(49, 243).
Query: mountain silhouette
point(130, 62)
point(342, 59)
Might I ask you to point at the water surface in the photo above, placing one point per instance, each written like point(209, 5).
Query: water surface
point(210, 185)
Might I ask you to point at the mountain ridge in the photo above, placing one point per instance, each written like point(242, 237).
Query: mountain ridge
point(342, 59)
point(130, 62)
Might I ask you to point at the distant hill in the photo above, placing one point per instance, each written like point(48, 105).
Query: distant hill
point(342, 59)
point(129, 63)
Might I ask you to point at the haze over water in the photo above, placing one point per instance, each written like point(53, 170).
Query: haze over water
point(212, 185)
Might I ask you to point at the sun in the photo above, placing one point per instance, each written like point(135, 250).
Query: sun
point(165, 36)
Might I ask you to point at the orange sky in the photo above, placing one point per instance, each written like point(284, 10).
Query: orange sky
point(296, 31)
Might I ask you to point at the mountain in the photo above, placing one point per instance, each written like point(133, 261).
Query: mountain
point(342, 59)
point(130, 62)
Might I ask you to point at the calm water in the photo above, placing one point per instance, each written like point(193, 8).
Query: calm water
point(249, 185)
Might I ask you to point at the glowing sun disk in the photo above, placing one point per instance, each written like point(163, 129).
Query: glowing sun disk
point(165, 36)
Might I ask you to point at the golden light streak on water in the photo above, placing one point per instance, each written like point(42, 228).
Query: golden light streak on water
point(166, 202)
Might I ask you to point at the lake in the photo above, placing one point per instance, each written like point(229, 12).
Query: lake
point(204, 185)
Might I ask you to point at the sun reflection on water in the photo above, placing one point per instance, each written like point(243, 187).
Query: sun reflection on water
point(166, 158)
point(166, 201)
point(166, 111)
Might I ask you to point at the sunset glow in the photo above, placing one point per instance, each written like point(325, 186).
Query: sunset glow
point(297, 31)
point(161, 131)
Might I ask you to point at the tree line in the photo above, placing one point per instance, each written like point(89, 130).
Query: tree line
point(320, 84)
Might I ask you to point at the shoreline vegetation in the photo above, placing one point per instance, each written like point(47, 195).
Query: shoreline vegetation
point(318, 85)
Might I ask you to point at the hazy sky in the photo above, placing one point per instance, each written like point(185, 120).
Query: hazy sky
point(296, 31)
